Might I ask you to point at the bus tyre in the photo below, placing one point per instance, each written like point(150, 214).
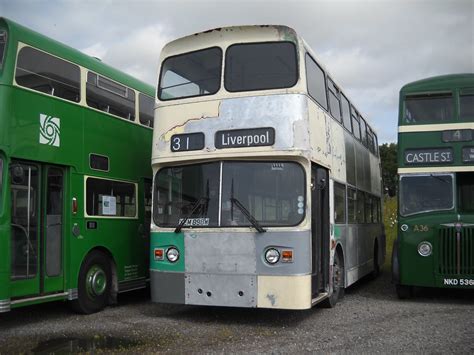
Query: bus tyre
point(94, 284)
point(337, 282)
point(404, 292)
point(376, 272)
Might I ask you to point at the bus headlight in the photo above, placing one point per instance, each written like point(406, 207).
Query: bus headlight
point(272, 256)
point(425, 249)
point(172, 254)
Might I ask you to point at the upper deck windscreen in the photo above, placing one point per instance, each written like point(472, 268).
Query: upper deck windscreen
point(260, 66)
point(429, 108)
point(191, 74)
point(3, 44)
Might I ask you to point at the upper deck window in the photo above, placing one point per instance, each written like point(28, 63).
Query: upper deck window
point(346, 113)
point(147, 105)
point(3, 44)
point(191, 74)
point(260, 66)
point(315, 82)
point(466, 102)
point(334, 100)
point(355, 123)
point(42, 72)
point(428, 108)
point(109, 96)
point(363, 131)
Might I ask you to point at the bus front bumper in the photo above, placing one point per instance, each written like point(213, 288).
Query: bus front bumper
point(231, 290)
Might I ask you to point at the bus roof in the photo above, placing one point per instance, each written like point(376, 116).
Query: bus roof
point(231, 34)
point(20, 33)
point(441, 82)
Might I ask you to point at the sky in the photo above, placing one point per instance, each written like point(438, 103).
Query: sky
point(371, 47)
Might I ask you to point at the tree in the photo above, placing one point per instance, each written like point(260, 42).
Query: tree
point(388, 157)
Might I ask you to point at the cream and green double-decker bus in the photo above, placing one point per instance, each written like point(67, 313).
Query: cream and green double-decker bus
point(435, 244)
point(75, 180)
point(267, 178)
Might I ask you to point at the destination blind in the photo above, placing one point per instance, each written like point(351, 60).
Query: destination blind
point(238, 138)
point(429, 156)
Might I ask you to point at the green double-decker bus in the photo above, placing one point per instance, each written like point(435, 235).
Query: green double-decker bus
point(75, 138)
point(435, 244)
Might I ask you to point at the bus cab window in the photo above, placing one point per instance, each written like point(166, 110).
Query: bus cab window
point(42, 72)
point(425, 193)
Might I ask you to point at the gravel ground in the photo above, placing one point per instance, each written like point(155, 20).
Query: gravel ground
point(370, 319)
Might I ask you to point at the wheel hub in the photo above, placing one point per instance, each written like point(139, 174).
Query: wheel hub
point(96, 281)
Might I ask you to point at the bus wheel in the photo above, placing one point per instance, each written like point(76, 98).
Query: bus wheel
point(337, 282)
point(404, 292)
point(94, 284)
point(376, 271)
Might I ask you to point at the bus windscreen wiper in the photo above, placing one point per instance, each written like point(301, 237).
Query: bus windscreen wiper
point(247, 214)
point(245, 211)
point(197, 204)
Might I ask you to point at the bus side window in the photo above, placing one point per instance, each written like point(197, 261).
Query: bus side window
point(315, 82)
point(109, 96)
point(110, 198)
point(360, 217)
point(334, 100)
point(355, 123)
point(363, 131)
point(339, 203)
point(146, 107)
point(42, 72)
point(346, 113)
point(351, 205)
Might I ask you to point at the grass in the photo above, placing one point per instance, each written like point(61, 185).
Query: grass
point(390, 222)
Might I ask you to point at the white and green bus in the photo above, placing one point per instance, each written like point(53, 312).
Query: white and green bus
point(267, 184)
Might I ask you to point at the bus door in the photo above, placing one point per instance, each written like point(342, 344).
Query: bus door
point(37, 205)
point(319, 229)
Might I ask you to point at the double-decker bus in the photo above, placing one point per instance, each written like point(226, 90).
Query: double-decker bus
point(435, 243)
point(267, 179)
point(75, 183)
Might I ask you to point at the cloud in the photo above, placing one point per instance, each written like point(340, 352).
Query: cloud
point(371, 47)
point(136, 53)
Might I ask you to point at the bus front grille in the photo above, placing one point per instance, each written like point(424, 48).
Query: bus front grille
point(456, 252)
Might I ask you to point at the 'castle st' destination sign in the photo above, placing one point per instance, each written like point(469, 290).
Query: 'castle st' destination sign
point(238, 138)
point(429, 156)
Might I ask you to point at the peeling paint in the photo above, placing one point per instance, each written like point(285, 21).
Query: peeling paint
point(271, 298)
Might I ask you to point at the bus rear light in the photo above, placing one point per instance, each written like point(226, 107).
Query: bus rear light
point(159, 254)
point(287, 256)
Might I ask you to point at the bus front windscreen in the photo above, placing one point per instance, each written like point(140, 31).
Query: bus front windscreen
point(260, 66)
point(271, 193)
point(426, 193)
point(429, 108)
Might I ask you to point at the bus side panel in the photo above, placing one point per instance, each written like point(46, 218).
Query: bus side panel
point(5, 231)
